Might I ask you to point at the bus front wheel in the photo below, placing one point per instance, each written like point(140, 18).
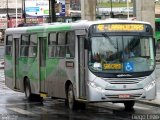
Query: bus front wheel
point(129, 105)
point(71, 98)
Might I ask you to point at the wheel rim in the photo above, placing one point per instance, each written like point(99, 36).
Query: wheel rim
point(70, 98)
point(27, 91)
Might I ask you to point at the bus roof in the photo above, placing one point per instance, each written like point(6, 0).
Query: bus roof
point(81, 24)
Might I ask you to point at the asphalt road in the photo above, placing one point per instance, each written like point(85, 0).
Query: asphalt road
point(16, 107)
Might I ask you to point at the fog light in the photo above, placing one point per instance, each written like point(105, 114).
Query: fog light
point(150, 86)
point(98, 88)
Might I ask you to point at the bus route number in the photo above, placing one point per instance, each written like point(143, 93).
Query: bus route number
point(112, 66)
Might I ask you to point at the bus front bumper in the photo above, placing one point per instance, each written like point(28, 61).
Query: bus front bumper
point(96, 93)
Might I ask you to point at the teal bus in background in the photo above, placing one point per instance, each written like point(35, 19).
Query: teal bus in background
point(157, 29)
point(157, 38)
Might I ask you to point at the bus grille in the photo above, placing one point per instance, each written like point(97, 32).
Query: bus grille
point(124, 80)
point(134, 96)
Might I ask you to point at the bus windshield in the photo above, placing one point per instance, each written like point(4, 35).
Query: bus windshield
point(121, 54)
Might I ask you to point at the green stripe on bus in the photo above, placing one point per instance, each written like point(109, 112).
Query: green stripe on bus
point(58, 28)
point(35, 29)
point(49, 28)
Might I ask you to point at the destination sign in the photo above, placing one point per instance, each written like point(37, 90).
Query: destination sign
point(119, 28)
point(112, 66)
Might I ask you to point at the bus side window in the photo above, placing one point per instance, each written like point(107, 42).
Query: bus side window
point(33, 45)
point(61, 48)
point(52, 41)
point(157, 26)
point(158, 45)
point(24, 45)
point(9, 45)
point(70, 44)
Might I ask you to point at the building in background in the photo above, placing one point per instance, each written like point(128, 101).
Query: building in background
point(37, 11)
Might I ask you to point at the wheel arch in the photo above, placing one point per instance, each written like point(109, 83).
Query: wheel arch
point(68, 82)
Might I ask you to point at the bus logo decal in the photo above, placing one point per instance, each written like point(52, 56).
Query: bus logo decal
point(124, 75)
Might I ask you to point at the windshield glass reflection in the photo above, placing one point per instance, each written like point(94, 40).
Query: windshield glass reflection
point(121, 54)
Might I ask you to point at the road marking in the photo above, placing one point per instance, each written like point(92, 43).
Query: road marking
point(21, 111)
point(6, 91)
point(51, 110)
point(4, 86)
point(16, 104)
point(45, 110)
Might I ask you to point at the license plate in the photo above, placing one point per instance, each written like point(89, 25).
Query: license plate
point(123, 96)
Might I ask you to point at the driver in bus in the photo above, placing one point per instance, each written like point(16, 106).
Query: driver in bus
point(127, 54)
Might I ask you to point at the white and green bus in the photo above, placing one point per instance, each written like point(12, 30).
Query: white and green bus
point(82, 62)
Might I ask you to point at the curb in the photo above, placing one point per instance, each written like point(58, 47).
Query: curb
point(155, 104)
point(149, 103)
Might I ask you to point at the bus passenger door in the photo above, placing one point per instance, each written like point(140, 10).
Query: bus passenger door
point(42, 63)
point(16, 63)
point(82, 71)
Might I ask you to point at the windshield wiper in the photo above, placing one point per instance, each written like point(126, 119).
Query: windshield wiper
point(110, 40)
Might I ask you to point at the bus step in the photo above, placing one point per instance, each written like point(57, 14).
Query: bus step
point(44, 95)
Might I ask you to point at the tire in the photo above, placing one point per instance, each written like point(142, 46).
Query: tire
point(27, 90)
point(71, 98)
point(129, 105)
point(31, 97)
point(82, 105)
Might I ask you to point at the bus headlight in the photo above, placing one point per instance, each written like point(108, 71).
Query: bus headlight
point(98, 88)
point(150, 86)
